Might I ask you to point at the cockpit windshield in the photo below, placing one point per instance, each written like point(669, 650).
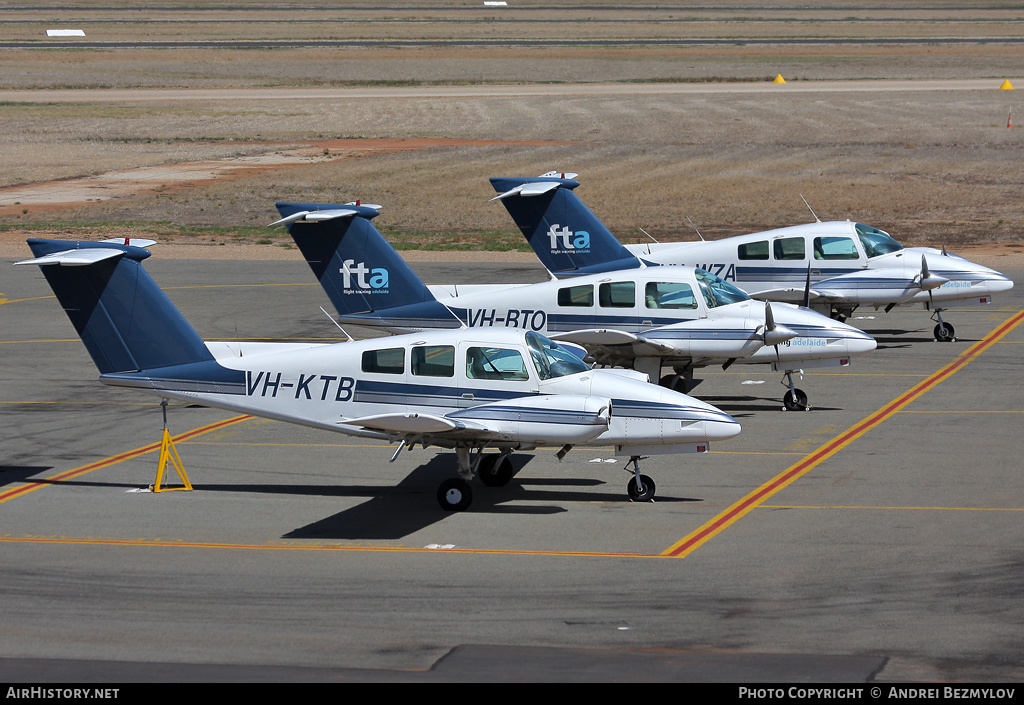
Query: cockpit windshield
point(876, 242)
point(718, 292)
point(551, 359)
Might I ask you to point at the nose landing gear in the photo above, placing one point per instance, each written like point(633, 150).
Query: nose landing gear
point(943, 331)
point(640, 487)
point(795, 399)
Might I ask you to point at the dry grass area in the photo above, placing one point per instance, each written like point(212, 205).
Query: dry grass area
point(936, 167)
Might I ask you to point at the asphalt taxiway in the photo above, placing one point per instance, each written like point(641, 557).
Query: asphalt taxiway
point(876, 537)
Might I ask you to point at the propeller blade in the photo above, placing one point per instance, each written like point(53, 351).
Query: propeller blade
point(807, 288)
point(929, 281)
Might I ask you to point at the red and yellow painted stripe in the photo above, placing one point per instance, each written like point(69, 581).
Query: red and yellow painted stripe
point(694, 540)
point(22, 490)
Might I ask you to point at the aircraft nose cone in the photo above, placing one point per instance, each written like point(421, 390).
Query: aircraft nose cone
point(861, 344)
point(1000, 284)
point(717, 424)
point(721, 429)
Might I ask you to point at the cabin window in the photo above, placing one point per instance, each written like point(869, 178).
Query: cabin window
point(753, 250)
point(788, 248)
point(669, 295)
point(390, 361)
point(433, 361)
point(576, 296)
point(495, 363)
point(617, 295)
point(835, 248)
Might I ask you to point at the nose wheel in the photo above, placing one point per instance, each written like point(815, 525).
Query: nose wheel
point(794, 399)
point(943, 331)
point(640, 488)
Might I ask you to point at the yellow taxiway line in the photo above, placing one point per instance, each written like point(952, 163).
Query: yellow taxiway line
point(695, 539)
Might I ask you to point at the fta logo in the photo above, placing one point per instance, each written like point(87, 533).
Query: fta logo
point(566, 240)
point(377, 279)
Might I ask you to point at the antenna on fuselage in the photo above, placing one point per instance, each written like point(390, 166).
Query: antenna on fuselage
point(694, 228)
point(816, 219)
point(350, 338)
point(647, 234)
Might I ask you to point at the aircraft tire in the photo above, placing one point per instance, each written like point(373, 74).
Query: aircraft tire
point(454, 495)
point(795, 400)
point(495, 470)
point(637, 496)
point(944, 333)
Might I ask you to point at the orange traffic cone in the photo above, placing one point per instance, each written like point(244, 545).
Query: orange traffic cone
point(1009, 120)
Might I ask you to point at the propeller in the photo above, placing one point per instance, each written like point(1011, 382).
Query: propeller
point(928, 281)
point(773, 333)
point(807, 288)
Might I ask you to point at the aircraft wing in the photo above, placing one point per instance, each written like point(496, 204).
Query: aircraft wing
point(795, 295)
point(597, 338)
point(418, 424)
point(535, 419)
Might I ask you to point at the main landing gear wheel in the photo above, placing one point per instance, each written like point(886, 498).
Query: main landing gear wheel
point(944, 333)
point(795, 400)
point(642, 491)
point(496, 470)
point(454, 495)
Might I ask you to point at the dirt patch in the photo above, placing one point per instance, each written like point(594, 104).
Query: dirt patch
point(257, 158)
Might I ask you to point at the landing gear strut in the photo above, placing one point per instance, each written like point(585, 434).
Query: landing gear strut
point(455, 494)
point(680, 381)
point(640, 487)
point(794, 399)
point(494, 470)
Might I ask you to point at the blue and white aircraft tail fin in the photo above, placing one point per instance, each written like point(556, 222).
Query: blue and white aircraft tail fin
point(361, 273)
point(126, 322)
point(567, 237)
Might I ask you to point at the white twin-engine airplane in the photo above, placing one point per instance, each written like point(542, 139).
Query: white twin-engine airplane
point(833, 267)
point(646, 319)
point(467, 390)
